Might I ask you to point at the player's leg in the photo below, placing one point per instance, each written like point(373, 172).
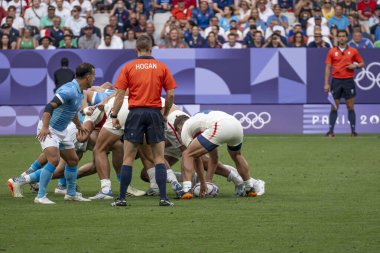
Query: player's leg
point(336, 91)
point(349, 95)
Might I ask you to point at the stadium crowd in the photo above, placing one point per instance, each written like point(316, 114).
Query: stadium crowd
point(106, 24)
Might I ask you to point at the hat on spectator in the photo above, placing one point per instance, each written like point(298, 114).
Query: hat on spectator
point(296, 24)
point(51, 8)
point(317, 8)
point(45, 37)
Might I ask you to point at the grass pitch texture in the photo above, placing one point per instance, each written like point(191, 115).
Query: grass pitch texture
point(322, 195)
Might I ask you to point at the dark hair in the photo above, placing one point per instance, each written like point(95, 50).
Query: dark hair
point(342, 31)
point(83, 69)
point(9, 41)
point(90, 17)
point(144, 43)
point(11, 7)
point(64, 62)
point(179, 120)
point(294, 38)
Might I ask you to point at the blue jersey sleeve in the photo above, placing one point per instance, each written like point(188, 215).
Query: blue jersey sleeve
point(65, 94)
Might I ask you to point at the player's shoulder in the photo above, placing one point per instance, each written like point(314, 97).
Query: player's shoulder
point(353, 50)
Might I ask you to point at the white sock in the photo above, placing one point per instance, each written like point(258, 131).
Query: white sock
point(250, 182)
point(105, 185)
point(186, 186)
point(171, 176)
point(235, 177)
point(27, 179)
point(152, 178)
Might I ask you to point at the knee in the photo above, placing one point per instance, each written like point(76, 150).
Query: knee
point(72, 161)
point(144, 175)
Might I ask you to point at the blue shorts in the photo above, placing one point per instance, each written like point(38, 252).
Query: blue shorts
point(144, 121)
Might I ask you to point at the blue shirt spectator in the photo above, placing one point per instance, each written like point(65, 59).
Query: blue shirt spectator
point(359, 42)
point(338, 19)
point(202, 15)
point(224, 22)
point(219, 5)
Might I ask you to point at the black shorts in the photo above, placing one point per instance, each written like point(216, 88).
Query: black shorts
point(144, 120)
point(343, 88)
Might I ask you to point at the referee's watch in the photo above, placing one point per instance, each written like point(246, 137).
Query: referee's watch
point(113, 116)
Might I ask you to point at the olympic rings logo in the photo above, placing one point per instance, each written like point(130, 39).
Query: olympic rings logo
point(375, 79)
point(252, 119)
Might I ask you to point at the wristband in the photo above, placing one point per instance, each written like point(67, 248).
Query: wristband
point(113, 116)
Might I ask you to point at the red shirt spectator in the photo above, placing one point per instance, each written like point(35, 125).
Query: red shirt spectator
point(181, 12)
point(188, 3)
point(367, 7)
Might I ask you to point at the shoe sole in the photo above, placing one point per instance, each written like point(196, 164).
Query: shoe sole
point(38, 202)
point(105, 198)
point(251, 194)
point(187, 196)
point(10, 186)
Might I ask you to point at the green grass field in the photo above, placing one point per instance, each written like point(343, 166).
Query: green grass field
point(322, 195)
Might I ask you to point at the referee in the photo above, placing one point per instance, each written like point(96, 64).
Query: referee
point(144, 77)
point(344, 60)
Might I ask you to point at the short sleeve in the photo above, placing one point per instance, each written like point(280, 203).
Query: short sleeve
point(357, 57)
point(64, 94)
point(169, 82)
point(328, 57)
point(122, 80)
point(185, 135)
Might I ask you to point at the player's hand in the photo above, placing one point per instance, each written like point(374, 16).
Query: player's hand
point(351, 66)
point(82, 131)
point(116, 123)
point(44, 132)
point(101, 107)
point(327, 87)
point(203, 190)
point(89, 110)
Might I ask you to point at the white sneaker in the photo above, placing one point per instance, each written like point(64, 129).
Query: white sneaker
point(132, 191)
point(101, 195)
point(60, 190)
point(259, 187)
point(15, 185)
point(153, 192)
point(44, 200)
point(77, 197)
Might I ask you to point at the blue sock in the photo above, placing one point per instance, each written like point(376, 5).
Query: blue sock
point(34, 167)
point(62, 181)
point(161, 179)
point(118, 177)
point(125, 179)
point(352, 119)
point(35, 176)
point(45, 177)
point(71, 179)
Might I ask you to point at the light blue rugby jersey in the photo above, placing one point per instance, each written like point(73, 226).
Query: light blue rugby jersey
point(100, 96)
point(72, 97)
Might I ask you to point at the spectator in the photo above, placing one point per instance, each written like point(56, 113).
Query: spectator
point(162, 12)
point(254, 39)
point(106, 43)
point(219, 6)
point(63, 75)
point(227, 18)
point(375, 29)
point(74, 40)
point(359, 42)
point(355, 23)
point(273, 26)
point(19, 7)
point(170, 25)
point(130, 42)
point(366, 8)
point(375, 18)
point(132, 22)
point(297, 40)
point(232, 44)
point(377, 44)
point(348, 7)
point(3, 13)
point(26, 41)
point(140, 9)
point(4, 5)
point(212, 41)
point(214, 22)
point(61, 11)
point(328, 10)
point(150, 30)
point(55, 32)
point(88, 40)
point(5, 42)
point(194, 40)
point(264, 11)
point(121, 13)
point(85, 7)
point(11, 32)
point(189, 4)
point(68, 42)
point(339, 20)
point(244, 12)
point(255, 20)
point(117, 29)
point(325, 30)
point(75, 22)
point(180, 12)
point(95, 30)
point(102, 6)
point(281, 19)
point(317, 13)
point(239, 34)
point(17, 22)
point(45, 44)
point(115, 43)
point(274, 41)
point(174, 40)
point(202, 15)
point(34, 14)
point(296, 28)
point(141, 27)
point(334, 36)
point(47, 21)
point(286, 5)
point(318, 41)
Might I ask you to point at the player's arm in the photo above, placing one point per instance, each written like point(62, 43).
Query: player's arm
point(46, 116)
point(212, 164)
point(119, 99)
point(169, 100)
point(199, 169)
point(327, 77)
point(105, 101)
point(358, 62)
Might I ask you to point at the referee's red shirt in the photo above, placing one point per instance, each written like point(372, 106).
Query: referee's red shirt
point(340, 60)
point(145, 77)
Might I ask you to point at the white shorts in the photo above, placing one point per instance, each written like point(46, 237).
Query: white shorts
point(72, 131)
point(122, 116)
point(228, 130)
point(59, 139)
point(95, 117)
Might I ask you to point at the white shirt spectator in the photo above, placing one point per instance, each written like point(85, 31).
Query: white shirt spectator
point(18, 23)
point(116, 43)
point(209, 29)
point(266, 14)
point(4, 4)
point(239, 35)
point(18, 5)
point(75, 24)
point(86, 6)
point(325, 31)
point(228, 46)
point(64, 14)
point(41, 47)
point(269, 32)
point(33, 16)
point(311, 22)
point(66, 5)
point(246, 30)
